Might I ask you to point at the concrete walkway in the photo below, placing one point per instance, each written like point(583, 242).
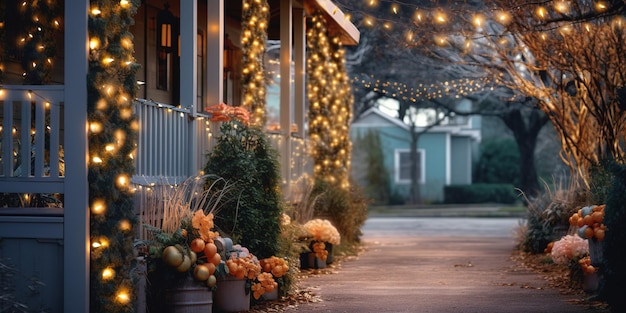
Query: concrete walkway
point(413, 269)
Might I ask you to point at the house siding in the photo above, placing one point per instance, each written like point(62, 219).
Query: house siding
point(461, 166)
point(447, 152)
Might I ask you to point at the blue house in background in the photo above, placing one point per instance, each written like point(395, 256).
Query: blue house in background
point(446, 152)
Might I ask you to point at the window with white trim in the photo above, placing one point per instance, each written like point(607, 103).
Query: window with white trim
point(402, 166)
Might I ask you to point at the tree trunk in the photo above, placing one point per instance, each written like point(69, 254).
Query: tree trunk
point(414, 195)
point(526, 132)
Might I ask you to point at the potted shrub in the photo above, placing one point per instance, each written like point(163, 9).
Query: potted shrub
point(183, 254)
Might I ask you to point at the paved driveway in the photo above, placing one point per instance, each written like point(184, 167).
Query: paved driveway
point(435, 265)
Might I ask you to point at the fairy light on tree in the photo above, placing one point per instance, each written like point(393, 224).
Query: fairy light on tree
point(112, 133)
point(576, 87)
point(253, 41)
point(2, 35)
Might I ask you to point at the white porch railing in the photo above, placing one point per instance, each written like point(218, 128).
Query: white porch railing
point(31, 142)
point(300, 162)
point(166, 141)
point(32, 162)
point(31, 147)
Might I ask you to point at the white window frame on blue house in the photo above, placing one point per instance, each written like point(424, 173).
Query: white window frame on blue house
point(398, 169)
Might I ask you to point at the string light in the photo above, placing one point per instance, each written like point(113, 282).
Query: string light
point(561, 7)
point(98, 206)
point(108, 273)
point(256, 18)
point(123, 297)
point(125, 225)
point(541, 12)
point(110, 122)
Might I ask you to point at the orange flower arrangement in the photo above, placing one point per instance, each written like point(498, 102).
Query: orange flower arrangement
point(223, 113)
point(319, 248)
point(585, 264)
point(322, 230)
point(589, 220)
point(275, 265)
point(265, 284)
point(244, 267)
point(204, 224)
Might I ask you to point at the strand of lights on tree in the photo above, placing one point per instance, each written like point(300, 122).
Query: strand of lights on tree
point(111, 134)
point(457, 88)
point(434, 17)
point(329, 99)
point(254, 24)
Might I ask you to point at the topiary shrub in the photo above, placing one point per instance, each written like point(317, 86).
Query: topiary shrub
point(613, 269)
point(244, 157)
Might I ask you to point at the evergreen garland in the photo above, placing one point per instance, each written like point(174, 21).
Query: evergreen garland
point(255, 18)
point(343, 102)
point(330, 105)
point(42, 22)
point(111, 89)
point(3, 10)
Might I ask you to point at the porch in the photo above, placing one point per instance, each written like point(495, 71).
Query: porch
point(44, 149)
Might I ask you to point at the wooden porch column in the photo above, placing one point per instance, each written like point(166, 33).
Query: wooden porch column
point(76, 212)
point(299, 50)
point(286, 41)
point(215, 53)
point(188, 76)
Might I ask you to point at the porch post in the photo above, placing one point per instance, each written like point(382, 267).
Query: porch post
point(286, 40)
point(76, 210)
point(188, 76)
point(215, 52)
point(299, 101)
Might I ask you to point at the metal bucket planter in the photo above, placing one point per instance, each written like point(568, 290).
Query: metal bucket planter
point(595, 252)
point(232, 295)
point(309, 260)
point(329, 248)
point(269, 296)
point(591, 282)
point(189, 296)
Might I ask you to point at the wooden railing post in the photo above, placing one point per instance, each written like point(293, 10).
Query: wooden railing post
point(76, 213)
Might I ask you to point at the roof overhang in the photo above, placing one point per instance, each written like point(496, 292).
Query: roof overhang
point(338, 23)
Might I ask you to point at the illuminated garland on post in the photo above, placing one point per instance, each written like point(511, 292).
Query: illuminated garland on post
point(2, 53)
point(330, 103)
point(42, 21)
point(255, 19)
point(112, 136)
point(343, 102)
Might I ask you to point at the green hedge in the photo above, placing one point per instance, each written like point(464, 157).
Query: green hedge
point(480, 193)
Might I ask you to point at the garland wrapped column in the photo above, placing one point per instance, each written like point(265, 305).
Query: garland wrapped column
point(330, 105)
point(112, 135)
point(253, 40)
